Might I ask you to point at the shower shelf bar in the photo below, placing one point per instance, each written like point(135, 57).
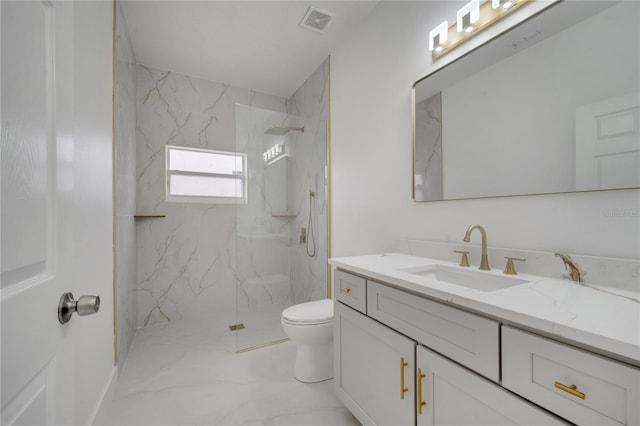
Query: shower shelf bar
point(283, 215)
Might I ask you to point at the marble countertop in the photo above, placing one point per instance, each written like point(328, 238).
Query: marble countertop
point(587, 315)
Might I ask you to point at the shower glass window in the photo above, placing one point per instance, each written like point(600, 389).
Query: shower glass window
point(205, 176)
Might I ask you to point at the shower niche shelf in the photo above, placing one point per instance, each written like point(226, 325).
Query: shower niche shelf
point(148, 216)
point(283, 215)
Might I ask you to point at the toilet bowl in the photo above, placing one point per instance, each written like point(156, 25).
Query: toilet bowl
point(310, 327)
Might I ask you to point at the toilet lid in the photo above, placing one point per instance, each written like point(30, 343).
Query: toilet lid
point(310, 312)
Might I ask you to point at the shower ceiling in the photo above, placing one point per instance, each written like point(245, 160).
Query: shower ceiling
point(250, 44)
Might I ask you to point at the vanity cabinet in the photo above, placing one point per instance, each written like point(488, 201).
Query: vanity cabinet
point(404, 359)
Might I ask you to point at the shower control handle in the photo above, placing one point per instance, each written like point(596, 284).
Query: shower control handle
point(303, 235)
point(85, 305)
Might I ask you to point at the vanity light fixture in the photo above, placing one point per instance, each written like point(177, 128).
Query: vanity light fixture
point(274, 152)
point(505, 4)
point(468, 15)
point(471, 19)
point(438, 37)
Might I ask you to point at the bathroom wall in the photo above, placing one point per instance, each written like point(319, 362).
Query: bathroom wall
point(125, 198)
point(187, 260)
point(372, 75)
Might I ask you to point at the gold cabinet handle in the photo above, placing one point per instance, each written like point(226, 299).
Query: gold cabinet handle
point(573, 389)
point(345, 290)
point(403, 364)
point(419, 376)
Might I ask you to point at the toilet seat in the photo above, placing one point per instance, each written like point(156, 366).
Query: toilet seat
point(309, 313)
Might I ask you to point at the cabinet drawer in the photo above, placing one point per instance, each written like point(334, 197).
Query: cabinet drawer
point(469, 339)
point(545, 371)
point(351, 290)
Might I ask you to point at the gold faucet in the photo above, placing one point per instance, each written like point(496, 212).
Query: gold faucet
point(575, 274)
point(484, 262)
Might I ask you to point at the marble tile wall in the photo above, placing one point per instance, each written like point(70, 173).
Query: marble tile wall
point(309, 107)
point(125, 102)
point(187, 261)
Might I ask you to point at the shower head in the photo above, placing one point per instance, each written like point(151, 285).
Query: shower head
point(281, 131)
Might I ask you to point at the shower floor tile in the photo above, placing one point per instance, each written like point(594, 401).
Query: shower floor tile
point(187, 374)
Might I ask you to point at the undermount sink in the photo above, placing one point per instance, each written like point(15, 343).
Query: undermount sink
point(477, 280)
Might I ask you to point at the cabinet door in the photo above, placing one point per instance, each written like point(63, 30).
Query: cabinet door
point(373, 369)
point(453, 395)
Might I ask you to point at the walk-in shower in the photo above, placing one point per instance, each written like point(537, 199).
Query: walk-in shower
point(274, 268)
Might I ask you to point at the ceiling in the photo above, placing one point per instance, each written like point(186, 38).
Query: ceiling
point(257, 45)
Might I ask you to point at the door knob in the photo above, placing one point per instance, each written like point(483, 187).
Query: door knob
point(85, 305)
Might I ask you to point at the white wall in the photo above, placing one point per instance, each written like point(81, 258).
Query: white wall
point(93, 203)
point(371, 81)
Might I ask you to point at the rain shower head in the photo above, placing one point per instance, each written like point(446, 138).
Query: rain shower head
point(281, 131)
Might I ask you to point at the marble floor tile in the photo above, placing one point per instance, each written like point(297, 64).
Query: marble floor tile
point(185, 373)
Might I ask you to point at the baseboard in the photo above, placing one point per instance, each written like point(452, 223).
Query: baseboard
point(107, 397)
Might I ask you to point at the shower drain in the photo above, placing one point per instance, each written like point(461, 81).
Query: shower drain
point(236, 327)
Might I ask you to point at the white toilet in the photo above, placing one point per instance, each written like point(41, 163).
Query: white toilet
point(310, 326)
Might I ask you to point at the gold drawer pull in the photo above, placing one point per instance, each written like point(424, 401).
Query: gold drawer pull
point(345, 290)
point(573, 389)
point(403, 364)
point(420, 402)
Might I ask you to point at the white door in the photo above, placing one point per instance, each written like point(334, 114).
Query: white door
point(608, 144)
point(36, 239)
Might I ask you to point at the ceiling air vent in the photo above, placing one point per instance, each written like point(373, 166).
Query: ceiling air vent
point(317, 19)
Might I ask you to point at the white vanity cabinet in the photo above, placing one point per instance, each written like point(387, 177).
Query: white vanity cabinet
point(404, 359)
point(373, 369)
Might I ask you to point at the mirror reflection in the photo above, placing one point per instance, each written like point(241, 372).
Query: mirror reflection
point(550, 106)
